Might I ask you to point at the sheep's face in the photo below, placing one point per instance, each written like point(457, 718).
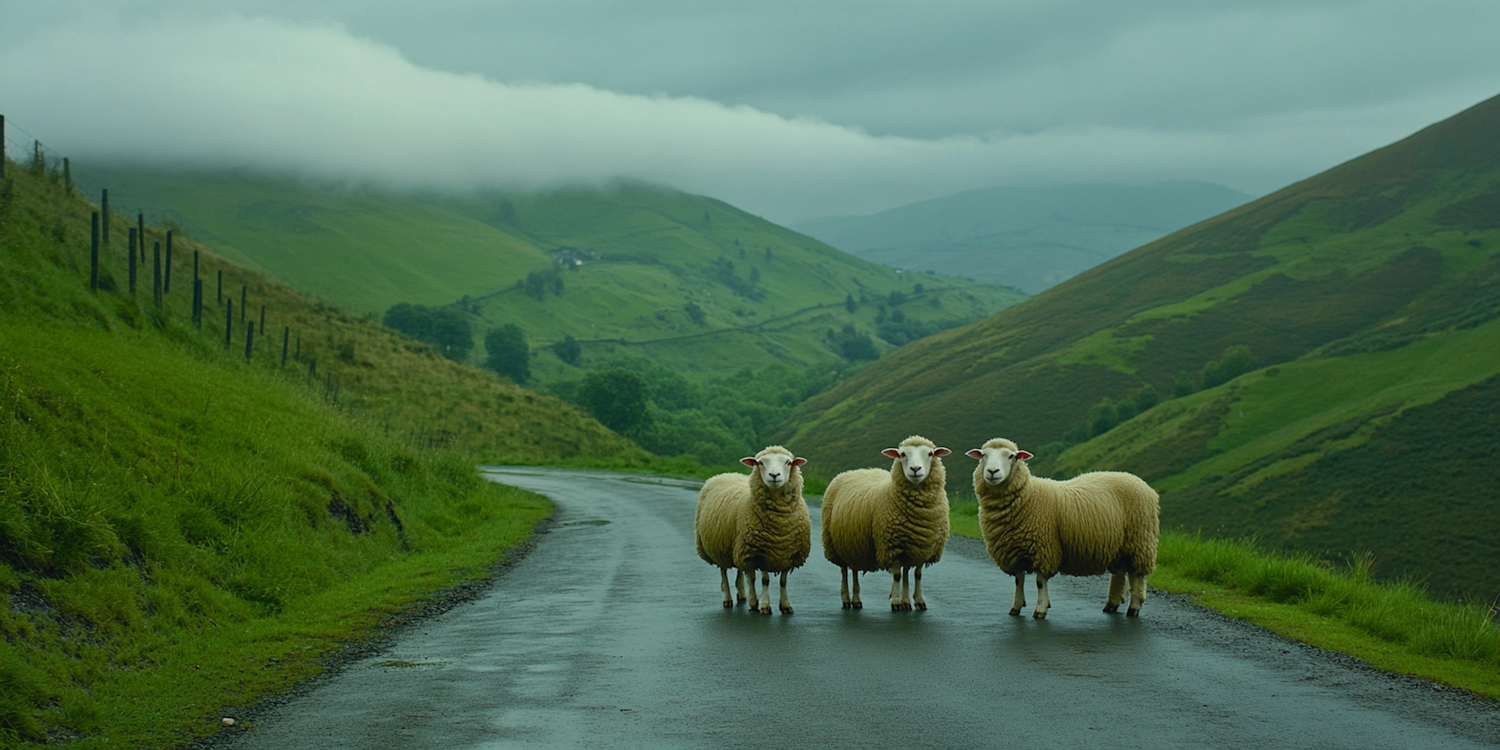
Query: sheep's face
point(775, 468)
point(995, 463)
point(915, 460)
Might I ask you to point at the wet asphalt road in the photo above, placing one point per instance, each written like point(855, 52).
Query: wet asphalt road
point(610, 633)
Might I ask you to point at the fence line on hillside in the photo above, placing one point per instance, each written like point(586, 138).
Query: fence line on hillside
point(42, 163)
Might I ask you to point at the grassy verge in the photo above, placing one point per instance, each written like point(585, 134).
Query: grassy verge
point(1393, 626)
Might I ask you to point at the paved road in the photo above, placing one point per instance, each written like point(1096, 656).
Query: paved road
point(610, 633)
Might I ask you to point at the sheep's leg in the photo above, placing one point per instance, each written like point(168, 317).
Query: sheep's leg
point(765, 590)
point(724, 586)
point(916, 594)
point(786, 604)
point(899, 601)
point(739, 586)
point(856, 603)
point(1137, 595)
point(750, 579)
point(1116, 592)
point(1042, 602)
point(844, 586)
point(1015, 607)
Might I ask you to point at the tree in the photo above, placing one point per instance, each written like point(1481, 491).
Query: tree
point(617, 398)
point(506, 353)
point(852, 345)
point(1145, 398)
point(1236, 361)
point(443, 327)
point(568, 350)
point(849, 302)
point(694, 312)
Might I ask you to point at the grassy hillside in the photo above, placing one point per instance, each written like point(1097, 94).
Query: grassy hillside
point(688, 282)
point(1362, 303)
point(1029, 237)
point(183, 528)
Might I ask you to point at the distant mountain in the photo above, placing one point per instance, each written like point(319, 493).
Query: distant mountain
point(690, 282)
point(1336, 345)
point(1030, 238)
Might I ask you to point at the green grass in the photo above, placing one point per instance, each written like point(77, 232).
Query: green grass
point(184, 530)
point(1394, 626)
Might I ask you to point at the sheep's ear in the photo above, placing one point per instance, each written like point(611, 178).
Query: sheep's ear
point(1022, 455)
point(749, 461)
point(976, 453)
point(798, 461)
point(940, 452)
point(891, 453)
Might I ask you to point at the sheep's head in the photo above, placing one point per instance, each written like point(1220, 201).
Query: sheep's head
point(915, 456)
point(996, 459)
point(776, 464)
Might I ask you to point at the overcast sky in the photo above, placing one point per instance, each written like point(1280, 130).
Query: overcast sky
point(790, 110)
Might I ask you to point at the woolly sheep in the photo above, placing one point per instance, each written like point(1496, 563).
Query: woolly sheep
point(895, 520)
point(755, 522)
point(1096, 522)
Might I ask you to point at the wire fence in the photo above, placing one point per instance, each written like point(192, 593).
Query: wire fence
point(40, 160)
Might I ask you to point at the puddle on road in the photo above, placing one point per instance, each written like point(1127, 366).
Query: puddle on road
point(585, 522)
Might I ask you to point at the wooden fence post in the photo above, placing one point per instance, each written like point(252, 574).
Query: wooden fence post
point(133, 239)
point(220, 297)
point(228, 323)
point(286, 340)
point(166, 277)
point(249, 339)
point(156, 273)
point(198, 302)
point(140, 228)
point(94, 257)
point(312, 371)
point(104, 209)
point(262, 319)
point(2, 147)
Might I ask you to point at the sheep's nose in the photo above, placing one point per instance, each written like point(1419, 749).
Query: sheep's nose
point(775, 474)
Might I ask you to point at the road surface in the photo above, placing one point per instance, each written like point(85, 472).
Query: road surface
point(609, 633)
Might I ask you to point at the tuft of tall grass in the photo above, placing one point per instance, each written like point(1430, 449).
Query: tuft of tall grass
point(1400, 613)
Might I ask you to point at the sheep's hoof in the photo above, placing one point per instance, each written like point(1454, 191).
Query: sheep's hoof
point(740, 600)
point(786, 610)
point(765, 610)
point(922, 606)
point(1015, 611)
point(848, 605)
point(1038, 615)
point(728, 604)
point(1133, 613)
point(858, 605)
point(1111, 608)
point(900, 607)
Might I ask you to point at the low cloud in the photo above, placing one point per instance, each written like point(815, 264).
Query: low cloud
point(313, 99)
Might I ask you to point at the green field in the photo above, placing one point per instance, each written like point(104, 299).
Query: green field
point(1364, 300)
point(630, 259)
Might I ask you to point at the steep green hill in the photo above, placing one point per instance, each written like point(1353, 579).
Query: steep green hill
point(187, 524)
point(1028, 237)
point(1367, 298)
point(689, 282)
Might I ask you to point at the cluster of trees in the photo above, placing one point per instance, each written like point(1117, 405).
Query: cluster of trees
point(1105, 415)
point(722, 271)
point(443, 327)
point(715, 423)
point(538, 283)
point(851, 344)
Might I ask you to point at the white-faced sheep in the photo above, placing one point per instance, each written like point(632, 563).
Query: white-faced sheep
point(755, 522)
point(1090, 524)
point(894, 520)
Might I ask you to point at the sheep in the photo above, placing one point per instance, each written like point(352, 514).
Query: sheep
point(1096, 522)
point(755, 522)
point(895, 520)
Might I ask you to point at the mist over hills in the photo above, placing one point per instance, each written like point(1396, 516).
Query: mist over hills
point(1027, 237)
point(1313, 338)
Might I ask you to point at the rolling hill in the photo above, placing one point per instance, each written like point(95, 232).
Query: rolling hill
point(1030, 237)
point(688, 282)
point(1354, 318)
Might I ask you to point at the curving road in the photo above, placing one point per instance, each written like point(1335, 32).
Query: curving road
point(610, 633)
